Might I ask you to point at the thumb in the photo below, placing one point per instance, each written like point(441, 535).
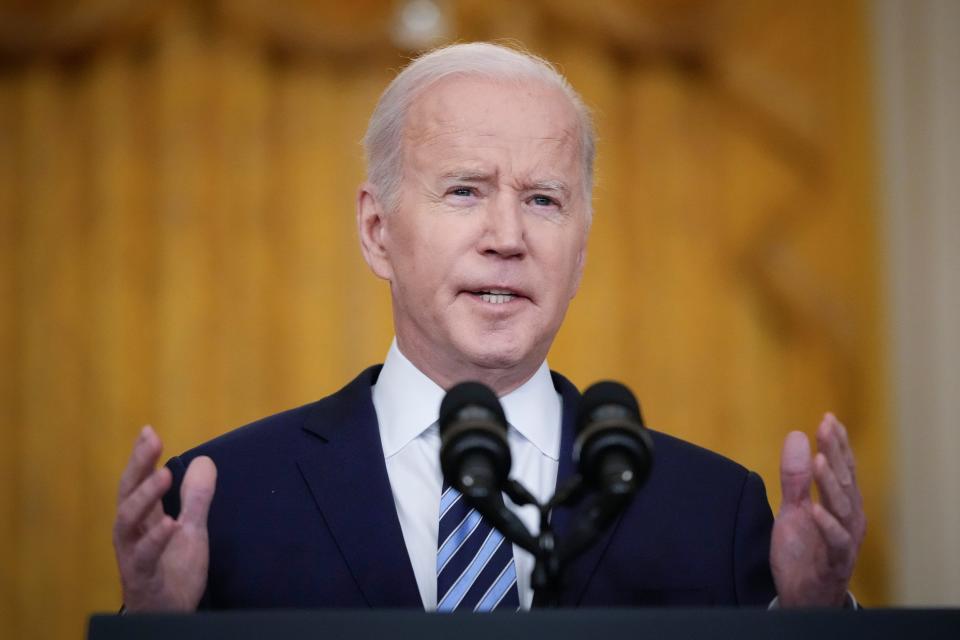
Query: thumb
point(796, 468)
point(197, 490)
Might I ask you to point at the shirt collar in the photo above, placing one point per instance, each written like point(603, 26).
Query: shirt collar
point(533, 409)
point(407, 403)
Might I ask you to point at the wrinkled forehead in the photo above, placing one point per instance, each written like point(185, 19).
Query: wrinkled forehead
point(531, 121)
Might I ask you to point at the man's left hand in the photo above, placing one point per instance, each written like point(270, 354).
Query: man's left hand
point(815, 544)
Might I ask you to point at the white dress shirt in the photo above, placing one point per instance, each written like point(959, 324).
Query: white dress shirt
point(407, 403)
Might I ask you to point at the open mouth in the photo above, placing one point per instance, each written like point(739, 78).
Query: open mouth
point(496, 296)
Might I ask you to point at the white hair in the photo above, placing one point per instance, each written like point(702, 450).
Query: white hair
point(383, 142)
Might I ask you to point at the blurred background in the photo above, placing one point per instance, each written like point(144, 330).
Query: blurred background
point(776, 235)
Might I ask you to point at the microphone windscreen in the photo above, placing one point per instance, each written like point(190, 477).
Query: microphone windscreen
point(466, 394)
point(607, 393)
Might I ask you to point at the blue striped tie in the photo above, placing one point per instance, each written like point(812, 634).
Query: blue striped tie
point(475, 568)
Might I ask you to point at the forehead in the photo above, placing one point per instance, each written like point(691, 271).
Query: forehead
point(459, 119)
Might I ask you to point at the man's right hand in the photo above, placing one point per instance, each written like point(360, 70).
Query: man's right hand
point(163, 562)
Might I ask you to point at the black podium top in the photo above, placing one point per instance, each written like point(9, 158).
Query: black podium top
point(877, 624)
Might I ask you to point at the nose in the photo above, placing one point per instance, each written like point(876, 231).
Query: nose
point(504, 235)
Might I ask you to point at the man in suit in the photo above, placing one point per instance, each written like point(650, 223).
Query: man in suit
point(476, 211)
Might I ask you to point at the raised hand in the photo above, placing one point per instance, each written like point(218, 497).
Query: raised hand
point(163, 562)
point(815, 544)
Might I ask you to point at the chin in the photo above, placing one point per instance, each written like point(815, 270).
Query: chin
point(496, 352)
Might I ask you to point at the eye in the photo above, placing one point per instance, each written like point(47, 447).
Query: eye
point(541, 200)
point(462, 192)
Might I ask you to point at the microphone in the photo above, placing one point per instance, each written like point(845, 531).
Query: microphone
point(475, 457)
point(613, 449)
point(474, 453)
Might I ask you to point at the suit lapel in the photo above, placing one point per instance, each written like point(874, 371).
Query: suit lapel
point(348, 479)
point(567, 469)
point(578, 573)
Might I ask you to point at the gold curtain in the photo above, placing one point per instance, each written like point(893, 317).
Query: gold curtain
point(177, 242)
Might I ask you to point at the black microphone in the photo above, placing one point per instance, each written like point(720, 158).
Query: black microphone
point(474, 453)
point(613, 449)
point(475, 457)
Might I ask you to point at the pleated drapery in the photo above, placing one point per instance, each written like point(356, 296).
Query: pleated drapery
point(178, 245)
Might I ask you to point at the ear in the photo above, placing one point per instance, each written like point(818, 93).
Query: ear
point(371, 227)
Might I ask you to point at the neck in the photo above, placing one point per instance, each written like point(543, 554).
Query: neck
point(447, 372)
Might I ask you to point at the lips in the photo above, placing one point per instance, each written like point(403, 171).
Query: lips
point(496, 294)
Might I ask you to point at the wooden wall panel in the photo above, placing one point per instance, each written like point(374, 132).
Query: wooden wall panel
point(9, 355)
point(177, 239)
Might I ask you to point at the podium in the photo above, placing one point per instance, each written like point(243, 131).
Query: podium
point(593, 624)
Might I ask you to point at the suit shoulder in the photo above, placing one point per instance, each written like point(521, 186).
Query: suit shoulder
point(255, 435)
point(675, 456)
point(284, 431)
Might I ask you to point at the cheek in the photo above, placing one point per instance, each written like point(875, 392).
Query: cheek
point(443, 245)
point(564, 267)
point(422, 263)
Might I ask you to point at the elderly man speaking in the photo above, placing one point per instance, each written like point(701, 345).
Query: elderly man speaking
point(476, 210)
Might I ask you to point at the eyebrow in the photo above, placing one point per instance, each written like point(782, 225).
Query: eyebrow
point(467, 175)
point(550, 185)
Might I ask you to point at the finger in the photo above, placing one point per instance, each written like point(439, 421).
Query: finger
point(152, 545)
point(858, 521)
point(846, 454)
point(143, 459)
point(142, 507)
point(795, 469)
point(196, 493)
point(838, 539)
point(845, 449)
point(833, 496)
point(828, 442)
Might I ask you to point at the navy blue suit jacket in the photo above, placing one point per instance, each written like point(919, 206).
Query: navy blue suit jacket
point(304, 517)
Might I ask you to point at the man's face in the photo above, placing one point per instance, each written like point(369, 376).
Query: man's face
point(486, 246)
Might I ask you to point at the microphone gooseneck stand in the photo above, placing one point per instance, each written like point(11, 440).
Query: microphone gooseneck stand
point(613, 452)
point(551, 555)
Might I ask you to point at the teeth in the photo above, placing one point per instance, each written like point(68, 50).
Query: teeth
point(497, 298)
